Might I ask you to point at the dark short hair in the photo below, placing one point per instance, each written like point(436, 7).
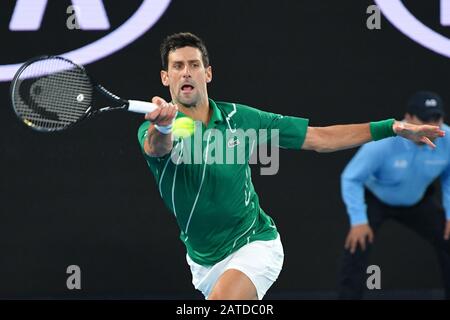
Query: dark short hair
point(180, 40)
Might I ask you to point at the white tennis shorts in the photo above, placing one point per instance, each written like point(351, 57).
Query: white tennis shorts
point(261, 261)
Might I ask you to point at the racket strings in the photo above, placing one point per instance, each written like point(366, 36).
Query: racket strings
point(52, 94)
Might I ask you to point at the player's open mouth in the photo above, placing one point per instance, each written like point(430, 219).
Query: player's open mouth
point(187, 88)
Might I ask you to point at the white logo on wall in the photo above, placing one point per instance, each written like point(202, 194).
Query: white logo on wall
point(28, 16)
point(396, 12)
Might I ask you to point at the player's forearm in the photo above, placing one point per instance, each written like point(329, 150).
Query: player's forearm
point(157, 144)
point(339, 137)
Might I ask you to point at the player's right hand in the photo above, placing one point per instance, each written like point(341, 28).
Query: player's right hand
point(357, 236)
point(164, 115)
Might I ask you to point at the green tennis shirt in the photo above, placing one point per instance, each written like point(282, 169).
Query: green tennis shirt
point(212, 195)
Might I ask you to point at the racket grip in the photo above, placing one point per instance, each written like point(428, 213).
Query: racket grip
point(141, 106)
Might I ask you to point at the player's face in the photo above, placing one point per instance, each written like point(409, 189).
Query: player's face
point(187, 77)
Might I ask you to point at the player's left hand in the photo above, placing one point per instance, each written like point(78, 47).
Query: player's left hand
point(418, 133)
point(447, 231)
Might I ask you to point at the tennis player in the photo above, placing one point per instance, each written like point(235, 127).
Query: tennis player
point(233, 247)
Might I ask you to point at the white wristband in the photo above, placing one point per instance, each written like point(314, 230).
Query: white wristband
point(164, 129)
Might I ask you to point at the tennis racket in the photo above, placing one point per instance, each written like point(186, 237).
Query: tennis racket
point(52, 93)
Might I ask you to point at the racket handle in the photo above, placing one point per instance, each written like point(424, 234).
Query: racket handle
point(141, 106)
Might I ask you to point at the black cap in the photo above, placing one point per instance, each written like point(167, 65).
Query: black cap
point(426, 105)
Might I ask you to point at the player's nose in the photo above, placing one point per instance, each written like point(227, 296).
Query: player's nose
point(186, 72)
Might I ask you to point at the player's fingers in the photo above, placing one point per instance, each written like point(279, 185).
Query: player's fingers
point(167, 115)
point(163, 114)
point(433, 131)
point(170, 112)
point(153, 116)
point(428, 142)
point(159, 101)
point(437, 131)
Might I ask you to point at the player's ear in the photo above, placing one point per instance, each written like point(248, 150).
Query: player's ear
point(209, 74)
point(165, 78)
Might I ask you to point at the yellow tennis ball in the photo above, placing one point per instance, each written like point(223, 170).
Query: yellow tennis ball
point(183, 127)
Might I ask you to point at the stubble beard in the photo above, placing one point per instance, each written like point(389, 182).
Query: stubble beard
point(188, 104)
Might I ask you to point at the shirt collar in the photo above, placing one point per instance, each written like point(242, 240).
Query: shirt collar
point(216, 116)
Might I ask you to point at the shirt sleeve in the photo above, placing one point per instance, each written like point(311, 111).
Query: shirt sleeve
point(445, 183)
point(142, 133)
point(363, 165)
point(290, 131)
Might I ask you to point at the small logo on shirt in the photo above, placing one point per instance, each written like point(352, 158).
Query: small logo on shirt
point(233, 142)
point(400, 164)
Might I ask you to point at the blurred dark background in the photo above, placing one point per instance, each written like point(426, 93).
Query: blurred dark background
point(85, 197)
